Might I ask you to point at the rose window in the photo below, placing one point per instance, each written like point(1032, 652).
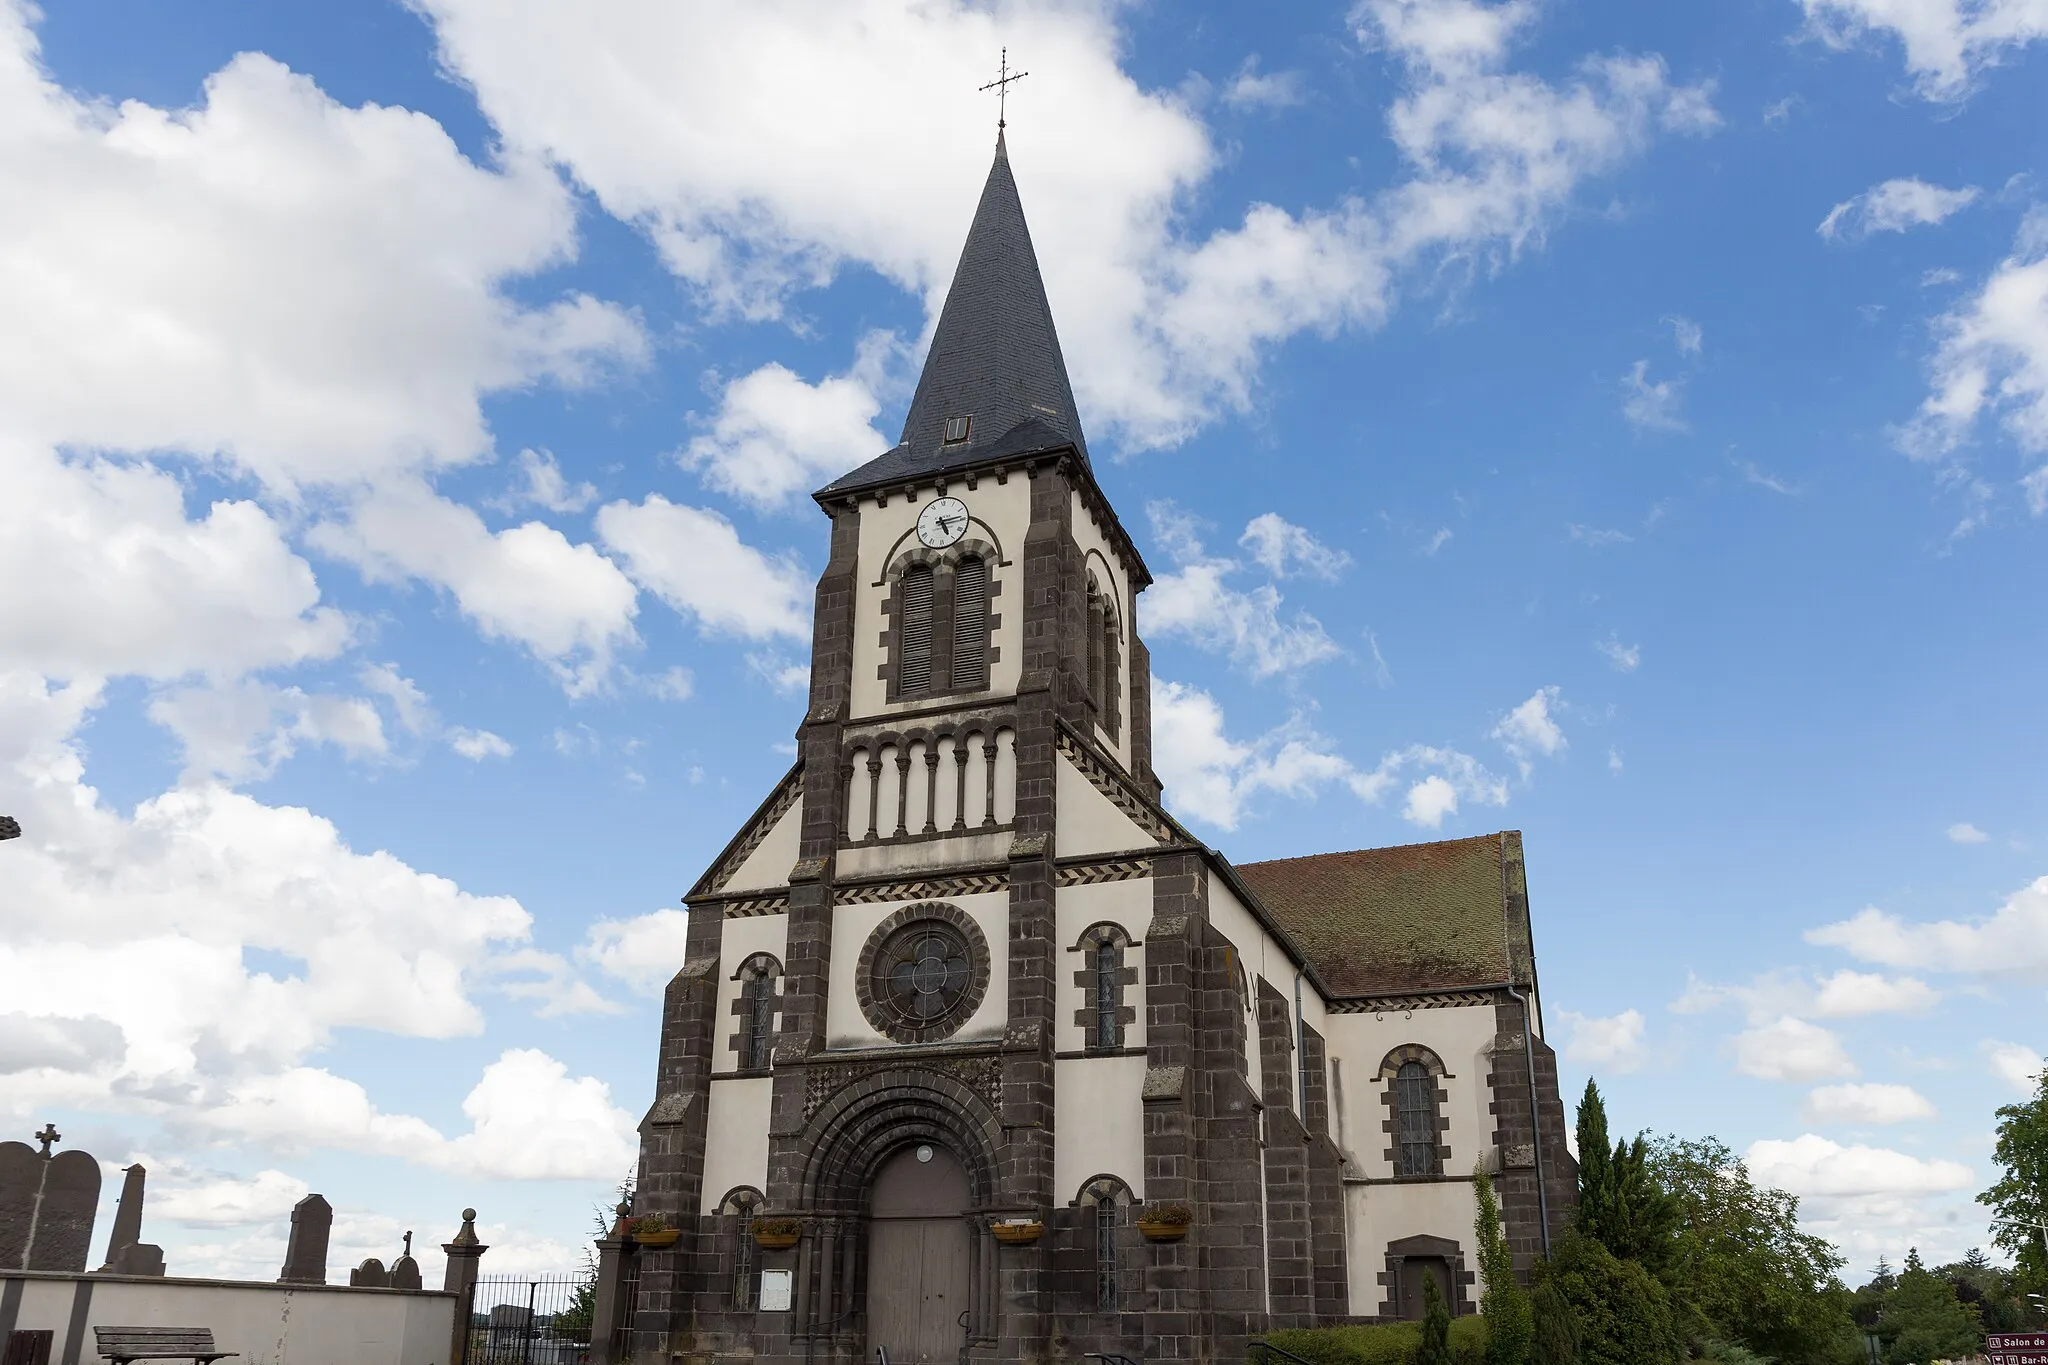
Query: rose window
point(923, 973)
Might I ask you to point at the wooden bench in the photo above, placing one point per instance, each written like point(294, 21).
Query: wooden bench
point(123, 1344)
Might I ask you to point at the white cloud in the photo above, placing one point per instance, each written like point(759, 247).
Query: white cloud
point(1625, 658)
point(756, 177)
point(1614, 1043)
point(1528, 731)
point(477, 745)
point(226, 1201)
point(1966, 833)
point(1651, 406)
point(566, 603)
point(2013, 940)
point(245, 729)
point(1869, 1201)
point(1790, 1049)
point(311, 291)
point(1282, 548)
point(644, 952)
point(126, 584)
point(775, 435)
point(1213, 778)
point(1843, 995)
point(1865, 1104)
point(1992, 359)
point(1197, 603)
point(2018, 1065)
point(54, 1042)
point(1895, 206)
point(545, 487)
point(1686, 335)
point(694, 560)
point(1252, 88)
point(1948, 44)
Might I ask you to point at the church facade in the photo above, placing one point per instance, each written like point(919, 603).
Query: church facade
point(977, 1053)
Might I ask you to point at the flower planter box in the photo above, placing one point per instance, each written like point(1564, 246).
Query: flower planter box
point(1166, 1229)
point(657, 1238)
point(1017, 1234)
point(777, 1238)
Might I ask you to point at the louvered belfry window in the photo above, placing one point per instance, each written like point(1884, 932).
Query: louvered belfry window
point(1095, 660)
point(970, 625)
point(914, 631)
point(1415, 1121)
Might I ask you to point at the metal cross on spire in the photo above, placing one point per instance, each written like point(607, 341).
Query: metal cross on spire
point(48, 1136)
point(1001, 85)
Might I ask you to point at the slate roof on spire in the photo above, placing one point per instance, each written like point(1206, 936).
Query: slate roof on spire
point(995, 357)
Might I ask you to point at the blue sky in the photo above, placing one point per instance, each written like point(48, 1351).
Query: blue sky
point(1621, 423)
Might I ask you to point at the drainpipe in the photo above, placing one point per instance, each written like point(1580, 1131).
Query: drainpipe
point(1528, 1056)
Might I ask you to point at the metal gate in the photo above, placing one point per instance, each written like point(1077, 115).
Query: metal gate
point(530, 1320)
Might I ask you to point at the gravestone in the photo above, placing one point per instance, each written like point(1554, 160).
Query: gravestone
point(46, 1205)
point(405, 1271)
point(371, 1274)
point(127, 1253)
point(305, 1256)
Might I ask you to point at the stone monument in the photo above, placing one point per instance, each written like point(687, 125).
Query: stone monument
point(305, 1256)
point(127, 1253)
point(46, 1205)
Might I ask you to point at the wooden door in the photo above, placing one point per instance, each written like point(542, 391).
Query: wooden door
point(1414, 1270)
point(918, 1258)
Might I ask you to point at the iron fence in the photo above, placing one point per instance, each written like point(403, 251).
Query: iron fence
point(530, 1320)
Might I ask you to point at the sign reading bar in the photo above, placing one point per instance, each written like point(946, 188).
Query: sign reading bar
point(2027, 1357)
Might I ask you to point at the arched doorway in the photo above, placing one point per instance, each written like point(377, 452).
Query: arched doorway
point(919, 1258)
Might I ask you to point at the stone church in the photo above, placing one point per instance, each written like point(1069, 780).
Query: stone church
point(977, 1053)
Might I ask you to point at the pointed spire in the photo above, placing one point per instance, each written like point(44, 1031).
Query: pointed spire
point(995, 358)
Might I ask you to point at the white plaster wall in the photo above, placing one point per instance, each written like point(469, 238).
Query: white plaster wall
point(1128, 904)
point(743, 938)
point(1101, 1130)
point(1107, 564)
point(924, 854)
point(267, 1324)
point(1089, 821)
point(1462, 1037)
point(769, 864)
point(846, 1026)
point(1001, 513)
point(1378, 1214)
point(736, 1137)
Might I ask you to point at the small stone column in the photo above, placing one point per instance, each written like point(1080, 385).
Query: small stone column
point(608, 1305)
point(460, 1280)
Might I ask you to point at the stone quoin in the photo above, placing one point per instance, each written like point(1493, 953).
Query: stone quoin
point(963, 970)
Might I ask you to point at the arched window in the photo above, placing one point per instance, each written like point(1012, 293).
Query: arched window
point(1112, 713)
point(739, 1209)
point(1102, 1204)
point(970, 624)
point(1095, 689)
point(1103, 976)
point(756, 1007)
point(914, 631)
point(1415, 1121)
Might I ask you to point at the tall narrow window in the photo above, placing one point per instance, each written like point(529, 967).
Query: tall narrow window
point(754, 1039)
point(1095, 690)
point(970, 624)
point(1105, 1253)
point(1112, 713)
point(1415, 1121)
point(914, 631)
point(1108, 1030)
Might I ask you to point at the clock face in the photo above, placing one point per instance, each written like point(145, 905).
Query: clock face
point(942, 522)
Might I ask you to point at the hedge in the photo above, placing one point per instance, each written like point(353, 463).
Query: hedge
point(1394, 1344)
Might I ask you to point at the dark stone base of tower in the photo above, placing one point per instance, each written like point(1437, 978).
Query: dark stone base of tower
point(976, 1053)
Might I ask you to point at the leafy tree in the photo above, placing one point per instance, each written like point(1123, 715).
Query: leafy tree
point(1555, 1328)
point(1740, 1269)
point(1623, 1315)
point(1436, 1327)
point(1504, 1305)
point(2020, 1195)
point(1620, 1204)
point(1924, 1320)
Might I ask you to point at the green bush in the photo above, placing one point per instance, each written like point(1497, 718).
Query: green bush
point(1624, 1315)
point(1394, 1344)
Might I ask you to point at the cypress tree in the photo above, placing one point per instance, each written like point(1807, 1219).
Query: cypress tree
point(1436, 1327)
point(1596, 1172)
point(1621, 1204)
point(1555, 1329)
point(1504, 1305)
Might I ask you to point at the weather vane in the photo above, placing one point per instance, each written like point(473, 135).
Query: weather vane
point(1001, 85)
